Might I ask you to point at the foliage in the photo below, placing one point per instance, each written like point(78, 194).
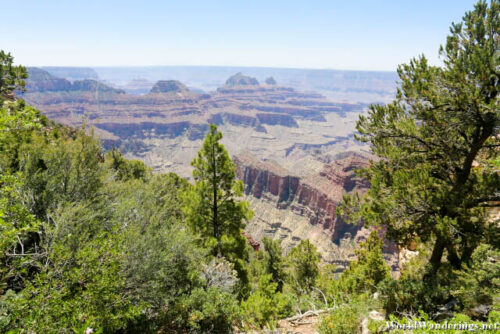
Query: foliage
point(342, 320)
point(107, 242)
point(126, 169)
point(64, 169)
point(346, 318)
point(16, 223)
point(265, 305)
point(212, 209)
point(124, 262)
point(369, 269)
point(155, 201)
point(78, 287)
point(11, 77)
point(410, 294)
point(304, 259)
point(275, 262)
point(95, 241)
point(161, 266)
point(17, 123)
point(425, 183)
point(211, 311)
point(220, 273)
point(479, 283)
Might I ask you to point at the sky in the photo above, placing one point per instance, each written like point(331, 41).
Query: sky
point(328, 34)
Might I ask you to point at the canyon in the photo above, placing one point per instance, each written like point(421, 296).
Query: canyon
point(294, 150)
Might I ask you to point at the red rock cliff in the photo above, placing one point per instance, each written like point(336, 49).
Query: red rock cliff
point(315, 197)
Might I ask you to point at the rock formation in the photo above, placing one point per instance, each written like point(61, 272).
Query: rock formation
point(42, 81)
point(315, 197)
point(169, 86)
point(138, 86)
point(270, 81)
point(241, 80)
point(72, 73)
point(88, 85)
point(284, 200)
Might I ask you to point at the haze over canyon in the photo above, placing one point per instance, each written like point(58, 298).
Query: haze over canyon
point(289, 131)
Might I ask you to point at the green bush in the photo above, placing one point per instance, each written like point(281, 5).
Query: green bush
point(78, 287)
point(479, 282)
point(275, 262)
point(346, 318)
point(210, 311)
point(411, 293)
point(265, 306)
point(124, 169)
point(304, 260)
point(343, 320)
point(368, 270)
point(60, 170)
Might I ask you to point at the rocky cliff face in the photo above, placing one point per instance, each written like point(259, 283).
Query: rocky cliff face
point(42, 81)
point(89, 85)
point(315, 197)
point(292, 208)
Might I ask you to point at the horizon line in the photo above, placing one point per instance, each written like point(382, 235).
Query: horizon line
point(219, 66)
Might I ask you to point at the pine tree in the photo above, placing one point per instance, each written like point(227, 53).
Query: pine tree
point(275, 262)
point(11, 77)
point(213, 210)
point(369, 269)
point(212, 207)
point(305, 263)
point(434, 178)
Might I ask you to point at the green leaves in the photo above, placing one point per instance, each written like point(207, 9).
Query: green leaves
point(62, 170)
point(265, 306)
point(124, 169)
point(16, 224)
point(212, 208)
point(275, 262)
point(304, 259)
point(17, 124)
point(11, 77)
point(369, 269)
point(433, 177)
point(211, 311)
point(479, 282)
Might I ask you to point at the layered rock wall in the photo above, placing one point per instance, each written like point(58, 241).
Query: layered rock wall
point(315, 197)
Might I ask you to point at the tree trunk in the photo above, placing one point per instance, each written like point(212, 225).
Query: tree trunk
point(453, 258)
point(435, 260)
point(214, 207)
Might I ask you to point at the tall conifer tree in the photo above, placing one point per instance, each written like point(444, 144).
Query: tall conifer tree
point(213, 209)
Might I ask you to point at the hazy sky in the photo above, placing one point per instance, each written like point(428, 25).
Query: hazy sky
point(362, 35)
